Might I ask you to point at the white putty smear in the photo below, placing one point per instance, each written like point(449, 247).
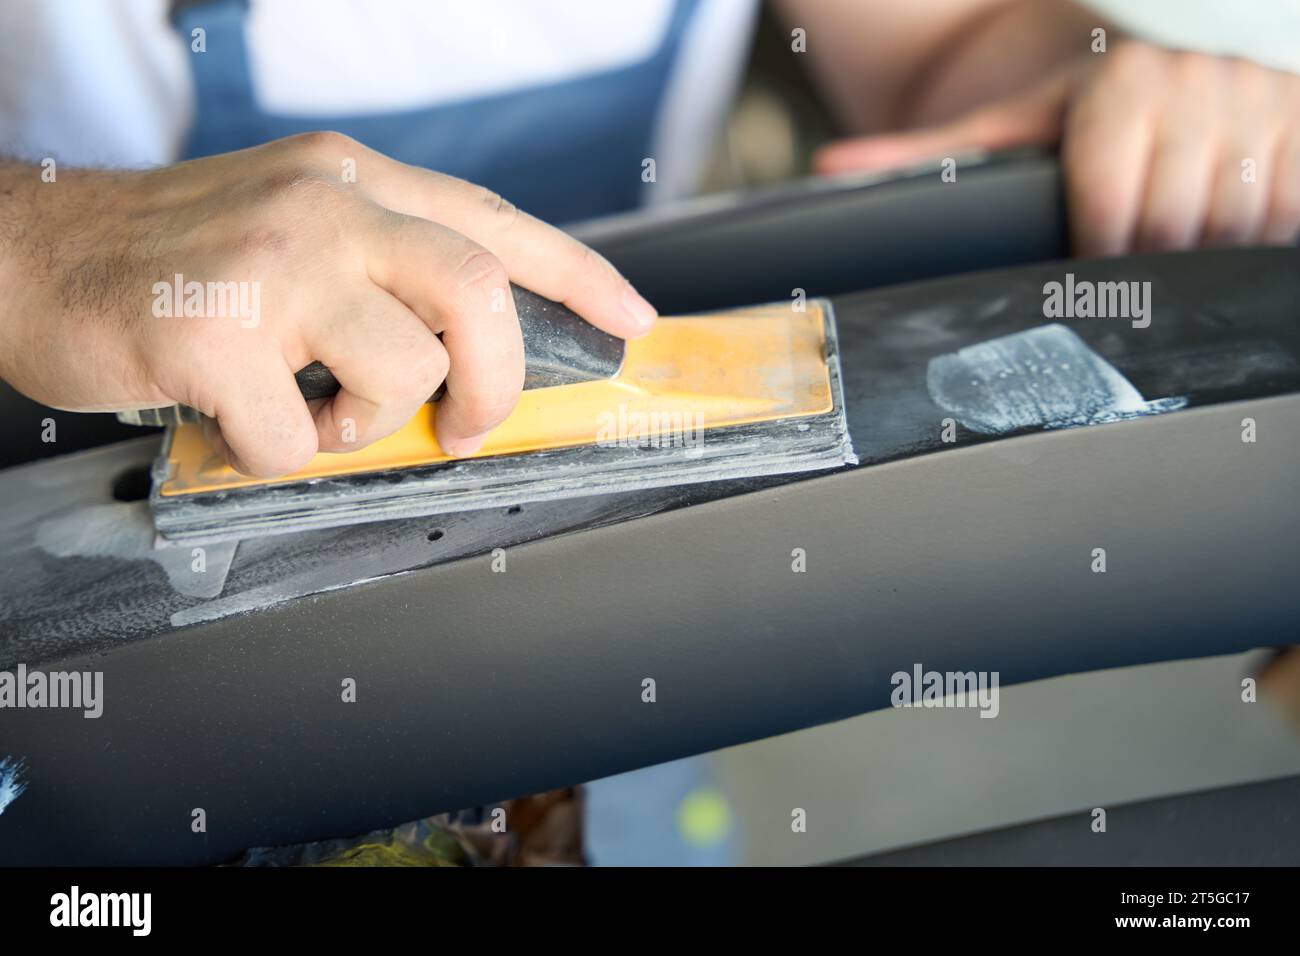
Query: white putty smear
point(12, 783)
point(1044, 377)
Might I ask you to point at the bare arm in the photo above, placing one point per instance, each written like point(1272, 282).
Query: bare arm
point(888, 66)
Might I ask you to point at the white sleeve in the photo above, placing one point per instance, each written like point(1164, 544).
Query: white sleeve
point(92, 82)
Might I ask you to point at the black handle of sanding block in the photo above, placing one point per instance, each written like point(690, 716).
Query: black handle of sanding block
point(560, 348)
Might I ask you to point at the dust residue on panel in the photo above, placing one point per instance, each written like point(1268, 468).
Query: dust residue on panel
point(126, 531)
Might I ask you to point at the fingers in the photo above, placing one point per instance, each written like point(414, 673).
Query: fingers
point(388, 363)
point(550, 262)
point(1166, 151)
point(263, 428)
point(1238, 207)
point(1283, 222)
point(536, 255)
point(1106, 153)
point(462, 292)
point(1178, 184)
point(1239, 195)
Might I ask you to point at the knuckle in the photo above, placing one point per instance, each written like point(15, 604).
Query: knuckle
point(1248, 77)
point(322, 145)
point(1187, 61)
point(1135, 62)
point(585, 266)
point(1195, 73)
point(481, 270)
point(502, 212)
point(589, 260)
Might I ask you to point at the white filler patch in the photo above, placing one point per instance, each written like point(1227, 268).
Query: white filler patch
point(1043, 377)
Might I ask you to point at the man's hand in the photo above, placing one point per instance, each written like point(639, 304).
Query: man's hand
point(309, 248)
point(1162, 150)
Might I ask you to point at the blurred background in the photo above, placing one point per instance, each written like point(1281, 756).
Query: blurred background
point(778, 120)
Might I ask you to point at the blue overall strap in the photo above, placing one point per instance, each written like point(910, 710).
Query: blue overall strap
point(562, 151)
point(226, 117)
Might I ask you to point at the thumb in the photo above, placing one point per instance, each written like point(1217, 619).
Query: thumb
point(1029, 118)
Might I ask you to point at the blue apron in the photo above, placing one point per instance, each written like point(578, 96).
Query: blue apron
point(563, 151)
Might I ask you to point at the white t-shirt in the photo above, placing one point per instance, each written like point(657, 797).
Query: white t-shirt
point(108, 83)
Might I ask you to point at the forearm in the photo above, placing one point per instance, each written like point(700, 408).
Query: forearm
point(17, 181)
point(1000, 52)
point(61, 288)
point(890, 66)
